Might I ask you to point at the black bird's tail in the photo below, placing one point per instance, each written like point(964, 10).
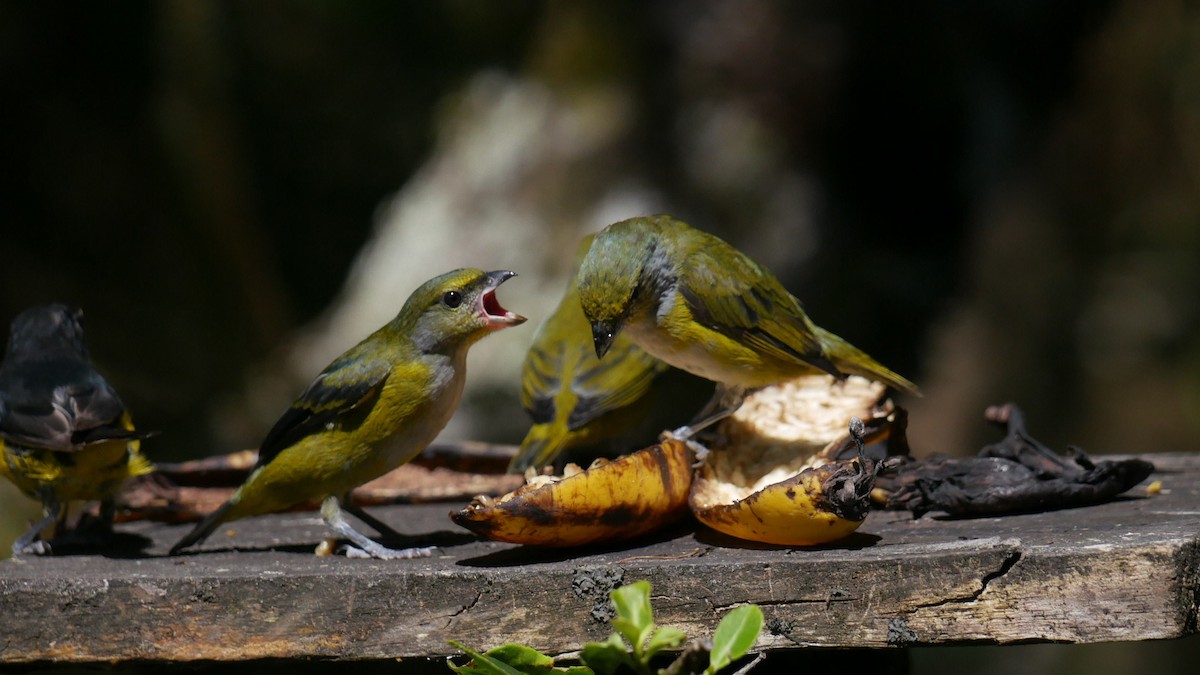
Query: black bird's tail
point(108, 433)
point(203, 528)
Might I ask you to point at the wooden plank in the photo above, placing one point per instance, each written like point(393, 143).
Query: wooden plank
point(1126, 570)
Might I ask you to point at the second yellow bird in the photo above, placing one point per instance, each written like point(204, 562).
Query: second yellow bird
point(374, 408)
point(589, 406)
point(692, 300)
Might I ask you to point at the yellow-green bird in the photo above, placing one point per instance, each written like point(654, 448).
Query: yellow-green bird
point(64, 433)
point(371, 410)
point(692, 300)
point(578, 401)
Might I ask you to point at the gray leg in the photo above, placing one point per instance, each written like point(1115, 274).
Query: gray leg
point(26, 543)
point(360, 513)
point(725, 401)
point(712, 405)
point(335, 518)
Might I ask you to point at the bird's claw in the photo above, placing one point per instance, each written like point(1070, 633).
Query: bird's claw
point(669, 435)
point(686, 434)
point(683, 433)
point(33, 548)
point(354, 552)
point(384, 553)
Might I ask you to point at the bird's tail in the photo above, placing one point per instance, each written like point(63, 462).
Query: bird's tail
point(541, 446)
point(137, 464)
point(203, 528)
point(98, 434)
point(120, 428)
point(854, 361)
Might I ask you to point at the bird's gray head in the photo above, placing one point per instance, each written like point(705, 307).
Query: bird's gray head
point(455, 310)
point(53, 329)
point(610, 277)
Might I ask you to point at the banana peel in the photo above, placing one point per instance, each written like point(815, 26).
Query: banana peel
point(816, 506)
point(772, 476)
point(612, 500)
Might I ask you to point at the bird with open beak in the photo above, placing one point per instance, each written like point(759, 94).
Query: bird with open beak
point(374, 408)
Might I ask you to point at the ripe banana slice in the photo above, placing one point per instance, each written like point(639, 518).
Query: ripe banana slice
point(632, 495)
point(772, 476)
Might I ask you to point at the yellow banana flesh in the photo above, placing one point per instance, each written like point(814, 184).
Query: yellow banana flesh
point(773, 478)
point(613, 500)
point(816, 506)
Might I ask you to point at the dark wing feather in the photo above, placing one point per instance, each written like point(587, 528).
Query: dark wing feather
point(619, 379)
point(736, 297)
point(345, 385)
point(563, 356)
point(59, 405)
point(541, 379)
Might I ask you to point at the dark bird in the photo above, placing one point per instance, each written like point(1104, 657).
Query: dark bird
point(374, 408)
point(64, 433)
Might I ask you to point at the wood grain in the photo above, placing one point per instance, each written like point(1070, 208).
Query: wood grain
point(1126, 570)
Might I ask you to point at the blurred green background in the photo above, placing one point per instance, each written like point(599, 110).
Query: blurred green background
point(999, 200)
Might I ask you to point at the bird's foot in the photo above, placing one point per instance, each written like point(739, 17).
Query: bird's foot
point(362, 546)
point(687, 435)
point(38, 547)
point(683, 433)
point(29, 543)
point(380, 552)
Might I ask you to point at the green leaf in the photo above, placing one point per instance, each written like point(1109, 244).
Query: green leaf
point(480, 664)
point(735, 635)
point(664, 638)
point(606, 657)
point(633, 605)
point(525, 659)
point(511, 659)
point(635, 618)
point(635, 635)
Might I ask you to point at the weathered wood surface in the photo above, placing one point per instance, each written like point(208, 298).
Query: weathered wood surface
point(1126, 570)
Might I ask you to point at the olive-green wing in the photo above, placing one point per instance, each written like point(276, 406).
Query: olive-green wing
point(563, 354)
point(618, 380)
point(347, 384)
point(732, 295)
point(541, 380)
point(600, 385)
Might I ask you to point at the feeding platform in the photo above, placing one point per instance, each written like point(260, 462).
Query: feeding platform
point(1124, 570)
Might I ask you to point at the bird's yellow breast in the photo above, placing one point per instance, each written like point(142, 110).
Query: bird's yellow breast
point(93, 472)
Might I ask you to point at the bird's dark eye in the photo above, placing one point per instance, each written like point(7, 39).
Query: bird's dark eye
point(452, 299)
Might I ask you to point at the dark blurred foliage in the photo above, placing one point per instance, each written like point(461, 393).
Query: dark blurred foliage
point(995, 198)
point(198, 176)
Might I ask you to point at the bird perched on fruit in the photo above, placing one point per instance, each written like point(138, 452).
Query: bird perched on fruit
point(694, 301)
point(64, 433)
point(371, 410)
point(579, 401)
